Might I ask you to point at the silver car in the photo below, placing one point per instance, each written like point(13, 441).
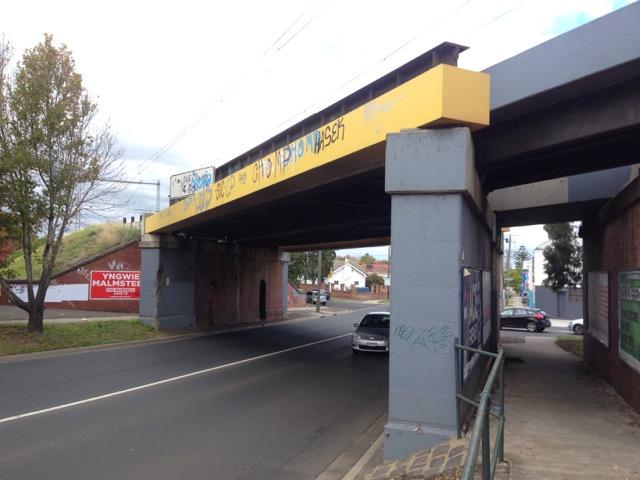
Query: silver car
point(372, 333)
point(312, 297)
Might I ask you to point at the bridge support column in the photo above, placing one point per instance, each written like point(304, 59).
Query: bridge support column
point(167, 287)
point(437, 228)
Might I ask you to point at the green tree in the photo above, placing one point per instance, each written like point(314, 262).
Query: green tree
point(373, 279)
point(563, 258)
point(53, 160)
point(521, 256)
point(297, 267)
point(304, 265)
point(514, 279)
point(367, 259)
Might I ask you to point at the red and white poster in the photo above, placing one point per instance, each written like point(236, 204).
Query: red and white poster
point(114, 285)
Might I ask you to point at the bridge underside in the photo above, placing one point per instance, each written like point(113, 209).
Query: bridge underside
point(344, 203)
point(352, 210)
point(565, 133)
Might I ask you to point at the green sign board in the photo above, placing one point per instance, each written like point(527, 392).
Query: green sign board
point(629, 316)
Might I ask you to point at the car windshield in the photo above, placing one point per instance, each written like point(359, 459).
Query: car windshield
point(375, 321)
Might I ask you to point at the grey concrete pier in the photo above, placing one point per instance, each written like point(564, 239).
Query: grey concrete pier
point(437, 228)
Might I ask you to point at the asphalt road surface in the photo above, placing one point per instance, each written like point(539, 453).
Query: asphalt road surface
point(280, 402)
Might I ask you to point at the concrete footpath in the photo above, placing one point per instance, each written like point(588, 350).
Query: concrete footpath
point(564, 422)
point(10, 315)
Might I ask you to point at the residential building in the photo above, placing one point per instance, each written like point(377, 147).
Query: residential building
point(347, 275)
point(538, 264)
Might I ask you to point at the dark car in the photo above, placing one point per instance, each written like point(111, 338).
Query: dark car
point(533, 319)
point(372, 333)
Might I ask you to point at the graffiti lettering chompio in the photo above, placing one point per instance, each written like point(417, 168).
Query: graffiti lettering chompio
point(313, 143)
point(444, 93)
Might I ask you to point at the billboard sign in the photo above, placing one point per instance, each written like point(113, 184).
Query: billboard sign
point(629, 318)
point(486, 307)
point(187, 183)
point(598, 306)
point(471, 317)
point(114, 285)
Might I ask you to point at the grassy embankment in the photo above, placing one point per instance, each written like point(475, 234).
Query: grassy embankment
point(571, 343)
point(76, 246)
point(14, 339)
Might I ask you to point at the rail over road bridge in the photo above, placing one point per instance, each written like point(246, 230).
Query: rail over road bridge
point(433, 159)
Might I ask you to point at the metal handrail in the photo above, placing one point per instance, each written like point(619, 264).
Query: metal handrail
point(481, 430)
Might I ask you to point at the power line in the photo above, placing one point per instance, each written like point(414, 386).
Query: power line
point(236, 85)
point(243, 78)
point(158, 154)
point(382, 60)
point(396, 50)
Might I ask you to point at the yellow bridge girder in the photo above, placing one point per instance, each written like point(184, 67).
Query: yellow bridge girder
point(443, 95)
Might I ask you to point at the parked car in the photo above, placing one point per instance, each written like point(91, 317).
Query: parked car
point(326, 294)
point(576, 326)
point(372, 333)
point(313, 295)
point(533, 319)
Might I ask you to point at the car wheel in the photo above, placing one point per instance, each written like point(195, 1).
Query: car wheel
point(578, 330)
point(324, 303)
point(354, 351)
point(531, 326)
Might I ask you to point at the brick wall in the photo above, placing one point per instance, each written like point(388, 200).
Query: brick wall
point(359, 297)
point(221, 270)
point(295, 299)
point(612, 244)
point(122, 258)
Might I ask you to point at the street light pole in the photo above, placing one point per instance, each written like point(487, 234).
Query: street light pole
point(319, 280)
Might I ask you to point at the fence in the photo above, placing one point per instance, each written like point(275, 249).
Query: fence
point(481, 430)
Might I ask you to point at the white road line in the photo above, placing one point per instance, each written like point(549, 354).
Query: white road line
point(166, 380)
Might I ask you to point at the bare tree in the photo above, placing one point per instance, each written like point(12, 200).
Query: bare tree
point(54, 161)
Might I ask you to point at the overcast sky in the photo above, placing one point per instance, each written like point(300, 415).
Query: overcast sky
point(207, 81)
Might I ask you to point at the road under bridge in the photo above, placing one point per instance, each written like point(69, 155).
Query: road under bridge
point(435, 160)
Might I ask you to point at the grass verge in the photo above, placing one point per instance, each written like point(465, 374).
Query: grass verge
point(14, 339)
point(384, 300)
point(571, 343)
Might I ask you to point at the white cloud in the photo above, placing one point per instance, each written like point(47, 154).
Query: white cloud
point(155, 66)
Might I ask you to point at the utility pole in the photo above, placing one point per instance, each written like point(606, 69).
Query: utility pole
point(389, 270)
point(509, 255)
point(319, 280)
point(157, 184)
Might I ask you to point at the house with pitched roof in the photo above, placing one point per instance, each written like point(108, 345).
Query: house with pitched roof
point(346, 275)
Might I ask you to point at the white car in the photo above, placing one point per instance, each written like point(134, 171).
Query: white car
point(312, 297)
point(372, 333)
point(576, 326)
